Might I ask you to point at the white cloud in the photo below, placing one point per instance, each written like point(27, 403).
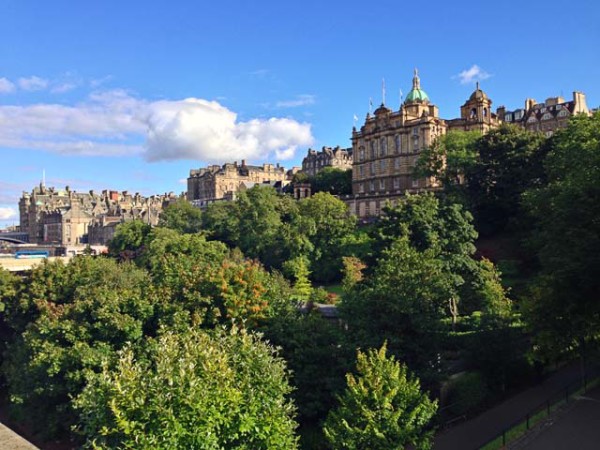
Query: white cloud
point(205, 130)
point(472, 74)
point(61, 88)
point(113, 123)
point(300, 100)
point(7, 213)
point(6, 86)
point(33, 83)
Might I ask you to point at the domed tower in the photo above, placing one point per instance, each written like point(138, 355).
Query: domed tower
point(476, 113)
point(416, 94)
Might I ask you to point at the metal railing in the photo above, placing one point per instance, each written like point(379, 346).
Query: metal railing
point(524, 423)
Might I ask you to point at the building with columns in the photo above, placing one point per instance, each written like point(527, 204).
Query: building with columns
point(386, 148)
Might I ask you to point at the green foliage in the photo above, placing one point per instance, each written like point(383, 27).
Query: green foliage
point(467, 393)
point(192, 390)
point(382, 408)
point(333, 181)
point(317, 356)
point(448, 160)
point(403, 302)
point(9, 285)
point(221, 223)
point(297, 269)
point(181, 216)
point(326, 222)
point(129, 240)
point(563, 311)
point(80, 314)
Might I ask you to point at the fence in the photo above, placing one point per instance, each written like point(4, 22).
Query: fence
point(542, 411)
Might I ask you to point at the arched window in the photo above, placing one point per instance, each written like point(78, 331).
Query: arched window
point(473, 113)
point(484, 112)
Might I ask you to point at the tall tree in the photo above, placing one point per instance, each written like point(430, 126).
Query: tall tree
point(181, 216)
point(383, 408)
point(563, 311)
point(192, 390)
point(332, 180)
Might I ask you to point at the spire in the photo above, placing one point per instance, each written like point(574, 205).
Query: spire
point(416, 80)
point(477, 86)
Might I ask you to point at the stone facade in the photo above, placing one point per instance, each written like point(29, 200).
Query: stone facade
point(337, 157)
point(386, 148)
point(548, 116)
point(216, 182)
point(65, 217)
point(475, 114)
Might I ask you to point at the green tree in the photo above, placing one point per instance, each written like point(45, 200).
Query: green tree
point(383, 408)
point(9, 286)
point(298, 270)
point(563, 311)
point(129, 240)
point(192, 390)
point(448, 160)
point(332, 180)
point(221, 223)
point(326, 222)
point(80, 314)
point(404, 302)
point(181, 216)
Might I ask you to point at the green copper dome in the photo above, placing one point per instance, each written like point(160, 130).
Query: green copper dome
point(416, 94)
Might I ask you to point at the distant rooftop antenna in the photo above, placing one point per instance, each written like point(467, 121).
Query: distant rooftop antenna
point(43, 177)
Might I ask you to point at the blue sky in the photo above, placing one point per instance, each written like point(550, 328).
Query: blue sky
point(131, 95)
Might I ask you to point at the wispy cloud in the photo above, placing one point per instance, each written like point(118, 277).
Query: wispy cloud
point(6, 86)
point(7, 213)
point(115, 123)
point(33, 83)
point(472, 74)
point(300, 100)
point(66, 86)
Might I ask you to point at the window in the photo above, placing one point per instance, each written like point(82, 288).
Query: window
point(361, 188)
point(508, 117)
point(396, 183)
point(373, 154)
point(361, 171)
point(361, 154)
point(473, 113)
point(382, 185)
point(396, 163)
point(484, 112)
point(382, 165)
point(532, 119)
point(415, 182)
point(371, 186)
point(397, 143)
point(383, 146)
point(547, 116)
point(373, 168)
point(415, 131)
point(563, 113)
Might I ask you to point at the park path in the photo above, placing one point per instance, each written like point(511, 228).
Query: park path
point(10, 440)
point(479, 430)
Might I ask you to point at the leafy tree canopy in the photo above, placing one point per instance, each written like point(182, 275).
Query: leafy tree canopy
point(383, 408)
point(192, 390)
point(181, 216)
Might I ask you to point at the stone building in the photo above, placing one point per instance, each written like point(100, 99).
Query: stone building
point(475, 114)
point(223, 182)
point(386, 148)
point(65, 217)
point(548, 116)
point(337, 157)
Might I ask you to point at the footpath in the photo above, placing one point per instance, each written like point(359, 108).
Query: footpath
point(11, 440)
point(474, 433)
